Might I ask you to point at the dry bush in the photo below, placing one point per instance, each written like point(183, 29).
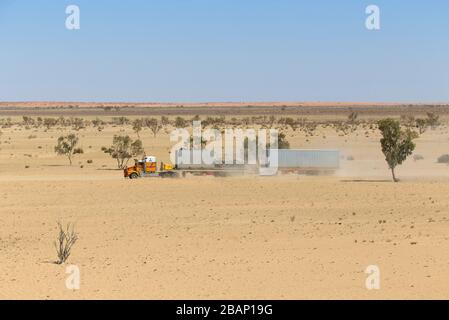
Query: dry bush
point(124, 148)
point(421, 124)
point(28, 121)
point(120, 121)
point(137, 126)
point(444, 158)
point(50, 122)
point(195, 118)
point(165, 121)
point(6, 123)
point(352, 117)
point(97, 122)
point(408, 121)
point(433, 120)
point(154, 125)
point(180, 122)
point(66, 240)
point(78, 123)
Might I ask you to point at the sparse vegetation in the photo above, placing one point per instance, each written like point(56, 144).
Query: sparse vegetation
point(120, 121)
point(352, 118)
point(137, 126)
point(180, 122)
point(66, 240)
point(165, 121)
point(397, 144)
point(433, 120)
point(154, 126)
point(67, 146)
point(443, 158)
point(50, 122)
point(282, 141)
point(421, 124)
point(124, 148)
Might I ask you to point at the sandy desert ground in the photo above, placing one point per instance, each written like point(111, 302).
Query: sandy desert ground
point(284, 237)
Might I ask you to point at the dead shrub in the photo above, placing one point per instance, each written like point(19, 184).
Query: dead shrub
point(66, 239)
point(444, 158)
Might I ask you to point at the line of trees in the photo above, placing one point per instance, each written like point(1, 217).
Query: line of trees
point(397, 143)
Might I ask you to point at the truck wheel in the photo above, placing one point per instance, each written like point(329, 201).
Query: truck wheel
point(133, 176)
point(169, 174)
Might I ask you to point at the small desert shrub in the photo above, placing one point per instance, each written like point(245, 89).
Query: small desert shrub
point(180, 122)
point(444, 158)
point(352, 117)
point(120, 121)
point(32, 136)
point(66, 239)
point(418, 157)
point(90, 161)
point(433, 120)
point(50, 122)
point(78, 124)
point(165, 121)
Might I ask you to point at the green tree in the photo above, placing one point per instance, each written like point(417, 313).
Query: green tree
point(421, 124)
point(50, 122)
point(165, 121)
point(124, 148)
point(67, 146)
point(154, 126)
point(180, 122)
point(433, 120)
point(137, 126)
point(283, 142)
point(397, 144)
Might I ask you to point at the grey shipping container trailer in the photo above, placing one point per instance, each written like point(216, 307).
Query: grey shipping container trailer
point(308, 159)
point(289, 160)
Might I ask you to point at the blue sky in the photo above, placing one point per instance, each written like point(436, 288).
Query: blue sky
point(224, 50)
